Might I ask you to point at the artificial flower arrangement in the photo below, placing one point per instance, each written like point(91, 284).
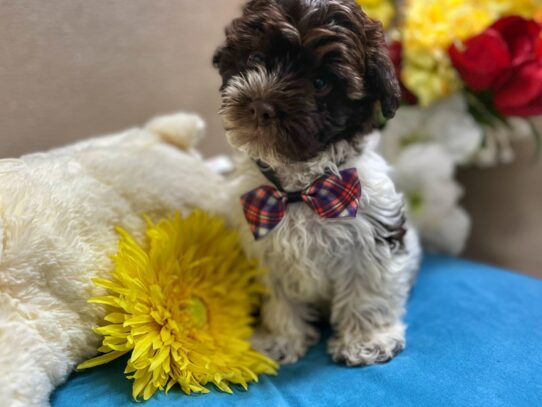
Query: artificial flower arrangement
point(471, 73)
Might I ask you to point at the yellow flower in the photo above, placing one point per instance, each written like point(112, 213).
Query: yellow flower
point(430, 73)
point(182, 307)
point(433, 24)
point(525, 8)
point(382, 10)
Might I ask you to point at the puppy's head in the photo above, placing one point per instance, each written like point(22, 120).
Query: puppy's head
point(299, 75)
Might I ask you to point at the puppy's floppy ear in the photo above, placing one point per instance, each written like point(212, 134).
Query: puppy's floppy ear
point(381, 78)
point(217, 56)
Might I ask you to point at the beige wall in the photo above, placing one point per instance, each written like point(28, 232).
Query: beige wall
point(74, 68)
point(506, 208)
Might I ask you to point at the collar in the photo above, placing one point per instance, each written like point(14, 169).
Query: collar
point(270, 174)
point(272, 177)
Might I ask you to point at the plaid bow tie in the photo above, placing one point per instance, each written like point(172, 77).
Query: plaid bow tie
point(330, 196)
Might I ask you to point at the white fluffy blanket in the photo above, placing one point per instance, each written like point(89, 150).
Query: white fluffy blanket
point(58, 211)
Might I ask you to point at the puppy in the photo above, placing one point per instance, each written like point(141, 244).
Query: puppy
point(303, 81)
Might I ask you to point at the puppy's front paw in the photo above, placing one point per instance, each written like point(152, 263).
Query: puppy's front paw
point(379, 346)
point(282, 348)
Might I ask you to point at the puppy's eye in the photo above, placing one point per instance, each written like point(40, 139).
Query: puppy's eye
point(321, 85)
point(256, 58)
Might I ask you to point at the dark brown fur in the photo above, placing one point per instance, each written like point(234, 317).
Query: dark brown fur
point(302, 42)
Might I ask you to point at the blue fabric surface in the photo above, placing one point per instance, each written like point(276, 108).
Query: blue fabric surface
point(474, 339)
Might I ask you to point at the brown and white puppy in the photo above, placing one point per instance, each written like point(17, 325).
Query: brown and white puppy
point(303, 81)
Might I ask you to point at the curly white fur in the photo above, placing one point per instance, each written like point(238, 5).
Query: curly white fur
point(347, 269)
point(58, 211)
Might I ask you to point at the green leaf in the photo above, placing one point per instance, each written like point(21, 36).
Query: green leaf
point(481, 107)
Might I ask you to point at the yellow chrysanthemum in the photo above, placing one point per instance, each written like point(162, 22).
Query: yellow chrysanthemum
point(382, 10)
point(182, 307)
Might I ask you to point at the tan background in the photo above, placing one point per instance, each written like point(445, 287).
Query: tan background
point(74, 68)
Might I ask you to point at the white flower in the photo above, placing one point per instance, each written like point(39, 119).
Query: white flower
point(450, 234)
point(447, 123)
point(424, 173)
point(497, 146)
point(520, 128)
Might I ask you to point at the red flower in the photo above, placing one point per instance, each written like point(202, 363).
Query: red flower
point(396, 54)
point(506, 61)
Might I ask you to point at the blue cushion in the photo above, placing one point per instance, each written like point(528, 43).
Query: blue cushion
point(474, 339)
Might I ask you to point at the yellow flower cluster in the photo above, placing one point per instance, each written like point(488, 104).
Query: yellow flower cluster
point(382, 10)
point(431, 26)
point(181, 307)
point(524, 8)
point(437, 23)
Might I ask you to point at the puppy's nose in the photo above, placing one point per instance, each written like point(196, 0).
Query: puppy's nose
point(262, 112)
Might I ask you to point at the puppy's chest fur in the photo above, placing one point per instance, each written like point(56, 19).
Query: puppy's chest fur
point(305, 253)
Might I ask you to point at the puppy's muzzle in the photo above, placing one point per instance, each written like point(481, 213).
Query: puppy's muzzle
point(263, 113)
